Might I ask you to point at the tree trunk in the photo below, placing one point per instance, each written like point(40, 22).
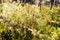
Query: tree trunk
point(36, 2)
point(2, 1)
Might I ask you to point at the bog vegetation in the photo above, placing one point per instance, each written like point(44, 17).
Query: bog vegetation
point(28, 22)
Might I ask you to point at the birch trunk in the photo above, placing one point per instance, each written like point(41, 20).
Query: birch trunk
point(2, 1)
point(37, 2)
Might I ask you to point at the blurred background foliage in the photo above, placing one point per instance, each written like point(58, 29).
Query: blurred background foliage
point(28, 22)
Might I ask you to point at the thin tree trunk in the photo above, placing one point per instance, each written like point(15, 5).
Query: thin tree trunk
point(2, 1)
point(36, 2)
point(54, 2)
point(18, 1)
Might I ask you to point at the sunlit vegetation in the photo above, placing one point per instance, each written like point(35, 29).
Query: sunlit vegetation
point(28, 22)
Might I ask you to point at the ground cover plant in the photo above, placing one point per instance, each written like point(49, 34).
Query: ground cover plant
point(20, 21)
